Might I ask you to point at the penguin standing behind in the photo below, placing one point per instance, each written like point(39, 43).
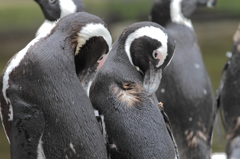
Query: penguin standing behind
point(229, 101)
point(56, 9)
point(45, 111)
point(185, 89)
point(123, 93)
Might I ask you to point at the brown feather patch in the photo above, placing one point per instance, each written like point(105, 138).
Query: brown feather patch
point(193, 137)
point(129, 93)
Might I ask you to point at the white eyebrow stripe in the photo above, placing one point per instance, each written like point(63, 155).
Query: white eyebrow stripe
point(93, 30)
point(149, 31)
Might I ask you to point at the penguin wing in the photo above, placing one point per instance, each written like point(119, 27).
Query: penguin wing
point(23, 122)
point(27, 130)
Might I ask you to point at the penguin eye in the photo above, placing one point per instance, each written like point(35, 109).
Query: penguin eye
point(100, 58)
point(52, 1)
point(155, 54)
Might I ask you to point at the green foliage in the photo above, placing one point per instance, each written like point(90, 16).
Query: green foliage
point(228, 6)
point(18, 17)
point(121, 9)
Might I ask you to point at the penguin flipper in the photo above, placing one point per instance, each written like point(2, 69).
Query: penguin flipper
point(27, 130)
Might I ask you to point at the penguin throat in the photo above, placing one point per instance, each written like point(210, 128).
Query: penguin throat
point(177, 16)
point(67, 7)
point(46, 27)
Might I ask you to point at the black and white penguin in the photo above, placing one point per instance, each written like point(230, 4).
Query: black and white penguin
point(53, 10)
point(45, 111)
point(229, 101)
point(185, 89)
point(123, 93)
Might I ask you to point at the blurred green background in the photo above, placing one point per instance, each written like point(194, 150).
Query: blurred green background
point(215, 27)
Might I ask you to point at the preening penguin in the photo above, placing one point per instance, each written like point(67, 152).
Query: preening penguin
point(228, 99)
point(185, 88)
point(45, 111)
point(56, 9)
point(123, 92)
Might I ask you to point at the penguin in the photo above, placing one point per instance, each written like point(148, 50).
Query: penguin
point(45, 110)
point(53, 10)
point(185, 88)
point(123, 92)
point(228, 99)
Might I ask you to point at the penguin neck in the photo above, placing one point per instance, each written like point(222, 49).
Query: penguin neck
point(176, 14)
point(67, 7)
point(45, 27)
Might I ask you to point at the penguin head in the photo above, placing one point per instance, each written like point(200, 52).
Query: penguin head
point(160, 12)
point(208, 3)
point(149, 49)
point(189, 6)
point(176, 10)
point(55, 9)
point(147, 43)
point(89, 40)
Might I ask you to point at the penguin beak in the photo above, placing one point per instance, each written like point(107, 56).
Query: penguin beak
point(152, 79)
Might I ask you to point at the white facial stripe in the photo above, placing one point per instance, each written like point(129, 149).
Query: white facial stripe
point(67, 7)
point(151, 32)
point(45, 27)
point(14, 63)
point(40, 151)
point(176, 14)
point(93, 30)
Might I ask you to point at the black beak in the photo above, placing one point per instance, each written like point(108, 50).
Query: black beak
point(152, 79)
